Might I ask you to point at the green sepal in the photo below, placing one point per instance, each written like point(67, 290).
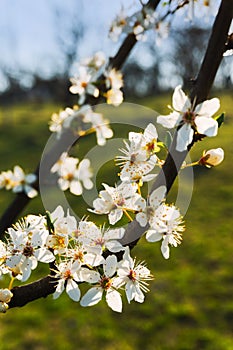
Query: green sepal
point(220, 119)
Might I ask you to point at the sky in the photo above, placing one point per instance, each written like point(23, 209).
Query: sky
point(29, 31)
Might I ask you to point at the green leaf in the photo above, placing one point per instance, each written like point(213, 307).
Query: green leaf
point(220, 119)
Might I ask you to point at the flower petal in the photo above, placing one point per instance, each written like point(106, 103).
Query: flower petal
point(76, 187)
point(114, 216)
point(110, 265)
point(157, 196)
point(153, 236)
point(165, 249)
point(114, 246)
point(59, 289)
point(206, 126)
point(180, 101)
point(117, 233)
point(150, 132)
point(73, 290)
point(113, 299)
point(92, 297)
point(169, 121)
point(44, 255)
point(208, 108)
point(142, 219)
point(184, 137)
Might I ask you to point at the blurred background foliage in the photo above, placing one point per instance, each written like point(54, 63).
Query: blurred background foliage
point(190, 303)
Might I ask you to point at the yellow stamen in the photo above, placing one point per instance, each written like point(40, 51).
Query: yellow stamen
point(127, 214)
point(11, 283)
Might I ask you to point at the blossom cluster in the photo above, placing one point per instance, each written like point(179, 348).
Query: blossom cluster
point(72, 176)
point(140, 157)
point(18, 181)
point(139, 23)
point(82, 121)
point(146, 19)
point(77, 252)
point(87, 81)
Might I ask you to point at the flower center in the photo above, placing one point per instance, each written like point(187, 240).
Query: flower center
point(105, 282)
point(84, 84)
point(99, 241)
point(79, 256)
point(120, 202)
point(189, 117)
point(133, 158)
point(67, 274)
point(69, 177)
point(28, 250)
point(132, 275)
point(152, 147)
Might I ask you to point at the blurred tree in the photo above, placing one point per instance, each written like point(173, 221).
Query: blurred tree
point(70, 33)
point(187, 53)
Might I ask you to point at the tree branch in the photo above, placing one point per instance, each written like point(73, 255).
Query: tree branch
point(33, 291)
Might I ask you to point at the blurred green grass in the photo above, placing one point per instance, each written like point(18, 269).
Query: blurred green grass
point(190, 305)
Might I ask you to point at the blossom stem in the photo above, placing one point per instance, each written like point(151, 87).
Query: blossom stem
point(139, 189)
point(85, 132)
point(188, 165)
point(11, 283)
point(127, 214)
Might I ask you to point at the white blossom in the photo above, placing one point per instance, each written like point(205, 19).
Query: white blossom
point(166, 225)
point(118, 25)
point(114, 97)
point(105, 283)
point(94, 62)
point(68, 275)
point(83, 83)
point(18, 181)
point(26, 248)
point(134, 277)
point(3, 307)
point(138, 158)
point(148, 213)
point(190, 119)
point(71, 176)
point(212, 157)
point(61, 120)
point(96, 239)
point(64, 226)
point(114, 79)
point(100, 125)
point(115, 200)
point(5, 295)
point(7, 180)
point(3, 257)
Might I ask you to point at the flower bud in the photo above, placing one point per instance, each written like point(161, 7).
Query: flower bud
point(3, 307)
point(212, 157)
point(5, 295)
